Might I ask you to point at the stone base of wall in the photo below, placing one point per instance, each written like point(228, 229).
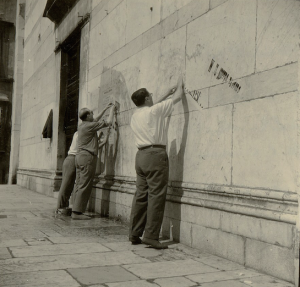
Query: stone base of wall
point(255, 228)
point(42, 181)
point(259, 235)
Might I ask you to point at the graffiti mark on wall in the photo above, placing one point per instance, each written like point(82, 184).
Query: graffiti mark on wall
point(196, 94)
point(222, 74)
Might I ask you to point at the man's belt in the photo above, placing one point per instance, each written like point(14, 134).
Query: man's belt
point(82, 149)
point(152, 146)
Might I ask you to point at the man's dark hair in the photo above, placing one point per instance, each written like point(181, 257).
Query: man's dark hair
point(138, 97)
point(83, 113)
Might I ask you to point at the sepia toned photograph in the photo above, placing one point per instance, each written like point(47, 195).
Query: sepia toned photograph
point(149, 143)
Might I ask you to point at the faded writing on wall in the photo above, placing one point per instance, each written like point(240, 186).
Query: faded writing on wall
point(195, 94)
point(222, 74)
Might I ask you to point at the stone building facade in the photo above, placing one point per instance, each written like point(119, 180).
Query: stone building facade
point(233, 141)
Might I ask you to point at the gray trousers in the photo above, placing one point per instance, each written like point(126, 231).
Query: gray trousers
point(85, 172)
point(148, 205)
point(68, 180)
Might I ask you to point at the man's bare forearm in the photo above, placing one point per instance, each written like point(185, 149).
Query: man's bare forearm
point(96, 119)
point(168, 94)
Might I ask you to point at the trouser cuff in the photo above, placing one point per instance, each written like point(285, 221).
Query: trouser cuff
point(151, 235)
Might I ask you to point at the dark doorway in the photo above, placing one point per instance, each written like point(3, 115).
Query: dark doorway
point(69, 93)
point(72, 92)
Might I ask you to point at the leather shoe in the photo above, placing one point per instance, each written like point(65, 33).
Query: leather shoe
point(135, 240)
point(66, 211)
point(80, 217)
point(154, 243)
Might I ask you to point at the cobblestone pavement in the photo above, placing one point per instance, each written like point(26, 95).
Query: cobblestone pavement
point(37, 249)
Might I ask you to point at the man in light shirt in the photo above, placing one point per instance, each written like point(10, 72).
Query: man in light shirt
point(68, 179)
point(151, 164)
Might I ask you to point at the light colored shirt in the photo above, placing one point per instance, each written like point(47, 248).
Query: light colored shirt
point(148, 124)
point(74, 145)
point(87, 136)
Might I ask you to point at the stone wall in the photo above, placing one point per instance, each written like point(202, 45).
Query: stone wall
point(232, 140)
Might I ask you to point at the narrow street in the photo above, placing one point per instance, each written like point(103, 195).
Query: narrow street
point(37, 249)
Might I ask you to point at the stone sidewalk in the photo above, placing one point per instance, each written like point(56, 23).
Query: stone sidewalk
point(37, 249)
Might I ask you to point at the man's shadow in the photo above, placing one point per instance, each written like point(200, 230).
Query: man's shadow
point(172, 221)
point(107, 160)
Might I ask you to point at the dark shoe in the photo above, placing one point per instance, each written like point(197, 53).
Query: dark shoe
point(64, 211)
point(154, 243)
point(80, 216)
point(135, 240)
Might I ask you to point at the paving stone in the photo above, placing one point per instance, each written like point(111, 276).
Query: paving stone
point(53, 278)
point(138, 283)
point(220, 263)
point(174, 282)
point(106, 274)
point(37, 241)
point(72, 240)
point(266, 281)
point(122, 246)
point(230, 283)
point(168, 269)
point(222, 275)
point(69, 261)
point(4, 253)
point(12, 242)
point(58, 249)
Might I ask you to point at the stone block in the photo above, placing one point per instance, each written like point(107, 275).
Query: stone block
point(172, 60)
point(170, 24)
point(273, 260)
point(169, 7)
point(168, 269)
point(214, 37)
point(268, 143)
point(191, 11)
point(273, 82)
point(148, 69)
point(223, 244)
point(216, 3)
point(95, 71)
point(199, 146)
point(108, 36)
point(277, 33)
point(273, 232)
point(144, 13)
point(152, 35)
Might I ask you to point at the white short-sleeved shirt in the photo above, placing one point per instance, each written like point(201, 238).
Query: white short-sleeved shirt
point(74, 145)
point(148, 124)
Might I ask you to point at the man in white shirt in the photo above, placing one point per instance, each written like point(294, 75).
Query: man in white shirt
point(68, 179)
point(151, 164)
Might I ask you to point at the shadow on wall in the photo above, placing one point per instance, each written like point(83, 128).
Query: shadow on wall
point(113, 88)
point(176, 171)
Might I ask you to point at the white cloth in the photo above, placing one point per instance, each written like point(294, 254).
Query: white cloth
point(148, 124)
point(74, 145)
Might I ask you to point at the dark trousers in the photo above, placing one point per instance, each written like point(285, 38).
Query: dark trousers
point(85, 172)
point(148, 205)
point(68, 180)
